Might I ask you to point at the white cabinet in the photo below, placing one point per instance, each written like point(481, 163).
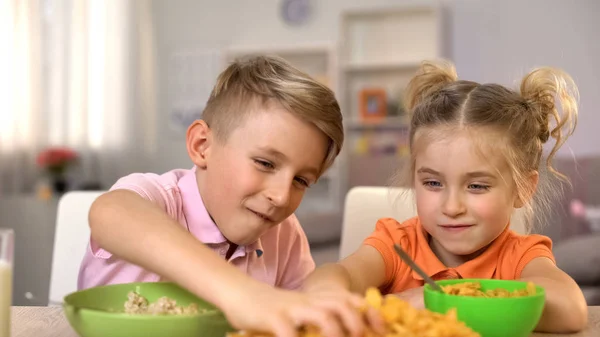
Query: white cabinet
point(380, 49)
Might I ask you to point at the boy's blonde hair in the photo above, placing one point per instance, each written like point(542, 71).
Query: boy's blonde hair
point(524, 119)
point(245, 86)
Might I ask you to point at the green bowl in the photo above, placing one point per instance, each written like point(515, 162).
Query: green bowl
point(491, 317)
point(98, 312)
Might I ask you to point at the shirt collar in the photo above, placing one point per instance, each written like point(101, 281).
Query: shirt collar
point(199, 222)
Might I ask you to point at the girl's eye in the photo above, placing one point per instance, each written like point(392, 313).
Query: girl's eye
point(434, 184)
point(479, 187)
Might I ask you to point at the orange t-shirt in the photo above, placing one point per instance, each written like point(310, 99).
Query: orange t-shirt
point(504, 259)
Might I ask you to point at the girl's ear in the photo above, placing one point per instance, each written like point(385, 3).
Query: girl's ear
point(531, 186)
point(198, 141)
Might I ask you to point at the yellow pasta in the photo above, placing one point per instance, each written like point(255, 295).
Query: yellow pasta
point(474, 289)
point(401, 320)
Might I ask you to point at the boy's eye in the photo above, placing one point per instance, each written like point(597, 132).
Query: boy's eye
point(303, 182)
point(264, 164)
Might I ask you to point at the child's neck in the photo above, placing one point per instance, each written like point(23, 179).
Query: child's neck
point(448, 259)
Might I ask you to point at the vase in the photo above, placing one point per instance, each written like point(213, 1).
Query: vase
point(60, 185)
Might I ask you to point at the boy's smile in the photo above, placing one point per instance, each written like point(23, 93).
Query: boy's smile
point(257, 177)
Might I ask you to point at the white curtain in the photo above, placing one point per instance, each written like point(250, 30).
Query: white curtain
point(76, 73)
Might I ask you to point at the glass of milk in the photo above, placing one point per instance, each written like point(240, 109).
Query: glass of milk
point(6, 267)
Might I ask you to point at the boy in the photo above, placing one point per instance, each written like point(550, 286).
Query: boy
point(225, 229)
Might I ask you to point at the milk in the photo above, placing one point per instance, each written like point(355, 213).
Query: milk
point(5, 297)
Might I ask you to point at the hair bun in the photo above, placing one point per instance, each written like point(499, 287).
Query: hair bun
point(541, 89)
point(430, 78)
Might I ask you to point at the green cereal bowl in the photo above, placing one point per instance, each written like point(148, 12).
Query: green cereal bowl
point(98, 312)
point(491, 317)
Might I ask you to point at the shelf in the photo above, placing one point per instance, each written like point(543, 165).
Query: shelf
point(282, 50)
point(376, 169)
point(388, 37)
point(395, 123)
point(380, 66)
point(379, 12)
point(383, 48)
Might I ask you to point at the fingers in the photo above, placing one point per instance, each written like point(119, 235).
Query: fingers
point(343, 307)
point(333, 314)
point(375, 321)
point(282, 326)
point(328, 324)
point(356, 301)
point(348, 314)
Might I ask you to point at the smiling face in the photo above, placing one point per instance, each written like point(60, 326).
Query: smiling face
point(464, 199)
point(257, 177)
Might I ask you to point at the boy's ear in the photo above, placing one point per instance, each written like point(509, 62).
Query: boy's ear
point(198, 141)
point(532, 183)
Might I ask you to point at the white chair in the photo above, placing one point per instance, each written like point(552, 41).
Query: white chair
point(70, 242)
point(364, 205)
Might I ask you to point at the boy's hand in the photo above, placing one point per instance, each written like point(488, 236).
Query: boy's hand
point(414, 297)
point(331, 294)
point(280, 312)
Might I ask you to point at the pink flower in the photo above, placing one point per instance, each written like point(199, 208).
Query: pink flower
point(56, 159)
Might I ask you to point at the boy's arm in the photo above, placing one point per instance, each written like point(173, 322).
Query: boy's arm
point(363, 269)
point(131, 227)
point(566, 309)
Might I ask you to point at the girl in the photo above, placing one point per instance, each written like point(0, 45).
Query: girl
point(476, 155)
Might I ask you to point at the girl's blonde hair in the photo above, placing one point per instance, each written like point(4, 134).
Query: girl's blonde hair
point(526, 119)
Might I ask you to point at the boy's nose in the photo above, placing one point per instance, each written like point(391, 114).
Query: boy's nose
point(453, 205)
point(279, 196)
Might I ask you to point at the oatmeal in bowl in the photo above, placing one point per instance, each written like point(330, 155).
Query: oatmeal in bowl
point(143, 309)
point(138, 304)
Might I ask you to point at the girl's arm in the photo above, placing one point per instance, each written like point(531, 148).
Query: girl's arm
point(363, 269)
point(566, 309)
point(141, 233)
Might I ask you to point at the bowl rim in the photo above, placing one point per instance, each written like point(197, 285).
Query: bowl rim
point(68, 305)
point(427, 289)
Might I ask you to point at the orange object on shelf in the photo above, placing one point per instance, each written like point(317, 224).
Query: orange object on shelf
point(373, 104)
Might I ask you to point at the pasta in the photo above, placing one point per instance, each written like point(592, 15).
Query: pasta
point(474, 289)
point(401, 320)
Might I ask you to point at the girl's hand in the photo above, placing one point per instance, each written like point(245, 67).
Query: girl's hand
point(414, 297)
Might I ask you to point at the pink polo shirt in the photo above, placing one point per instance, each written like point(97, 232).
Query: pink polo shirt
point(281, 257)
